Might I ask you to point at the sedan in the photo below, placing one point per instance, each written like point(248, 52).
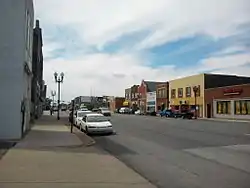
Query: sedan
point(96, 123)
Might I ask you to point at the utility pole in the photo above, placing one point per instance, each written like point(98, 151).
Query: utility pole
point(72, 116)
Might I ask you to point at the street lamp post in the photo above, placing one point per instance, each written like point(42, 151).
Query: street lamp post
point(195, 89)
point(59, 80)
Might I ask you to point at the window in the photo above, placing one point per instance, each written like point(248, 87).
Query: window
point(223, 107)
point(163, 93)
point(180, 92)
point(188, 91)
point(173, 93)
point(242, 107)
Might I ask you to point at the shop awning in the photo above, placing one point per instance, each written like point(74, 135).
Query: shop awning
point(125, 103)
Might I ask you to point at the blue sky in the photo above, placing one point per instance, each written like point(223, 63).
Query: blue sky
point(111, 46)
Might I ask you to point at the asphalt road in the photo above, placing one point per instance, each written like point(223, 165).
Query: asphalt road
point(177, 153)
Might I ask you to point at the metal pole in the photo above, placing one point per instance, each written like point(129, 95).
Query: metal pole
point(72, 116)
point(195, 103)
point(58, 110)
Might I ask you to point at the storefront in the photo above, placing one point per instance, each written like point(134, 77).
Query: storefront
point(228, 102)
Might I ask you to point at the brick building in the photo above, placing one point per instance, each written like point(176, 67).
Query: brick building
point(228, 102)
point(162, 96)
point(116, 103)
point(143, 89)
point(182, 95)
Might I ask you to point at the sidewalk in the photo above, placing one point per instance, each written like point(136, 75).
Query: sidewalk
point(51, 156)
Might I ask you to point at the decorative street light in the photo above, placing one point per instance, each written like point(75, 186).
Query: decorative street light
point(195, 89)
point(59, 80)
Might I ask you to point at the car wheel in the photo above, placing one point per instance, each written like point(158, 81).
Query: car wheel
point(167, 115)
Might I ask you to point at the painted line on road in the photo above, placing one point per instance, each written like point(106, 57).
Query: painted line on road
point(247, 134)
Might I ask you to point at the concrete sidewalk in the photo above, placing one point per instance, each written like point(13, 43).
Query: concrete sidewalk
point(51, 156)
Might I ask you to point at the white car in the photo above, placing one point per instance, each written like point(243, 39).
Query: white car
point(96, 123)
point(79, 115)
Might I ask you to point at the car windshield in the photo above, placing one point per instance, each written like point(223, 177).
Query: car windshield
point(96, 119)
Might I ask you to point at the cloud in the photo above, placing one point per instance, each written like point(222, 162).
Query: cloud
point(76, 34)
point(99, 22)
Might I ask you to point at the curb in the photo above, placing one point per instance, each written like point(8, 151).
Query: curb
point(86, 140)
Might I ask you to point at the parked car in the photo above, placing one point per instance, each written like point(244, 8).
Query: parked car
point(124, 110)
point(96, 123)
point(104, 111)
point(166, 113)
point(95, 110)
point(79, 115)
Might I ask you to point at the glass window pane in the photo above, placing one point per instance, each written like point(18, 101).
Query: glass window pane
point(243, 107)
point(237, 107)
point(248, 107)
point(229, 107)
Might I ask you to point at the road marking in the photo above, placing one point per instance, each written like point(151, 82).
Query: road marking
point(247, 134)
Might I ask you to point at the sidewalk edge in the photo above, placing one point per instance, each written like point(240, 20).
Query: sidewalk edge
point(82, 136)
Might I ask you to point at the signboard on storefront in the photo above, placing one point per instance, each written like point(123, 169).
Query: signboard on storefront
point(232, 91)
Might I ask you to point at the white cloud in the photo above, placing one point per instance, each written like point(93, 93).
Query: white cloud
point(98, 22)
point(111, 74)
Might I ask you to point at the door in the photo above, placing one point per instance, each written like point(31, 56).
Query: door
point(209, 110)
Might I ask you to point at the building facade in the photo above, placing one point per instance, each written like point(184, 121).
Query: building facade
point(15, 66)
point(151, 102)
point(182, 95)
point(116, 103)
point(162, 96)
point(134, 97)
point(231, 102)
point(127, 101)
point(144, 88)
point(37, 89)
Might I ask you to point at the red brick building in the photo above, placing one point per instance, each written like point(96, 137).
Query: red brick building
point(143, 89)
point(228, 102)
point(162, 96)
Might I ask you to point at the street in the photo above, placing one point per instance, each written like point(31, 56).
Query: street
point(182, 153)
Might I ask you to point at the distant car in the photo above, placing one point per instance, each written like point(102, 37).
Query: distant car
point(95, 110)
point(139, 112)
point(96, 123)
point(124, 110)
point(105, 111)
point(79, 115)
point(166, 113)
point(84, 109)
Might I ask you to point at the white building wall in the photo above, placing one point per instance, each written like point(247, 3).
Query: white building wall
point(14, 81)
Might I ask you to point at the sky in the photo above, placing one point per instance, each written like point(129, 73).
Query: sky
point(106, 46)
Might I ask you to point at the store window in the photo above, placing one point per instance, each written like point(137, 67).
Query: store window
point(173, 93)
point(180, 92)
point(223, 107)
point(242, 107)
point(188, 91)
